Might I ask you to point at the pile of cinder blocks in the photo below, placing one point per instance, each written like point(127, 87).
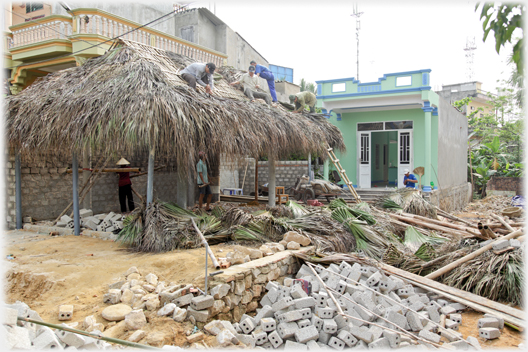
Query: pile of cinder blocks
point(30, 336)
point(292, 318)
point(100, 222)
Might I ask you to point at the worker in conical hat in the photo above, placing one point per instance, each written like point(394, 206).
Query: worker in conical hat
point(125, 187)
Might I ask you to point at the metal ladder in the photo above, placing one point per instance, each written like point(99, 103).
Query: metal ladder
point(343, 175)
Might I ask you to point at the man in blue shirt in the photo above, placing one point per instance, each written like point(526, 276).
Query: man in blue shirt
point(409, 180)
point(203, 182)
point(264, 72)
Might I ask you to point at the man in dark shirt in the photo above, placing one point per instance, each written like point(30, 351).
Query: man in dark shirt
point(125, 187)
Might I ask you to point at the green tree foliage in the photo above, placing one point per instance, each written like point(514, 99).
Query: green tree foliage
point(308, 86)
point(503, 20)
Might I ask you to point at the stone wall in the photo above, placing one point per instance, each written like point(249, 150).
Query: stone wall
point(47, 187)
point(514, 184)
point(247, 283)
point(453, 198)
point(286, 173)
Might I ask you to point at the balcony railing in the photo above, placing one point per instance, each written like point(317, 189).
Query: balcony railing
point(98, 22)
point(51, 27)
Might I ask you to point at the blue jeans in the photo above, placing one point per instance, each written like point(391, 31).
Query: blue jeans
point(268, 76)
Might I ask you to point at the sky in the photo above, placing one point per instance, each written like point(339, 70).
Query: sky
point(318, 38)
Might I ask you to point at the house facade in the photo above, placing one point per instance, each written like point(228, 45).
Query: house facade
point(393, 124)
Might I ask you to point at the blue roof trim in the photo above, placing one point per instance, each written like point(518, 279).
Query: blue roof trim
point(338, 117)
point(435, 111)
point(406, 90)
point(376, 106)
point(379, 79)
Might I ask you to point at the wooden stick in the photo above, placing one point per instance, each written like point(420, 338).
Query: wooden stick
point(137, 194)
point(146, 172)
point(204, 242)
point(434, 227)
point(128, 169)
point(478, 252)
point(244, 179)
point(439, 259)
point(502, 221)
point(452, 217)
point(488, 232)
point(442, 223)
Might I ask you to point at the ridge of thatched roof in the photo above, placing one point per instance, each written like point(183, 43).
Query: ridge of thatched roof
point(132, 99)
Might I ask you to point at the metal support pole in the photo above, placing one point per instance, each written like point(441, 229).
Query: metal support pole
point(310, 166)
point(86, 203)
point(206, 255)
point(76, 216)
point(18, 191)
point(150, 177)
point(271, 185)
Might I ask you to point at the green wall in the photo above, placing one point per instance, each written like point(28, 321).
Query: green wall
point(348, 127)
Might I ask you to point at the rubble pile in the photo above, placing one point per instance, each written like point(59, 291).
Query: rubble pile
point(101, 222)
point(292, 318)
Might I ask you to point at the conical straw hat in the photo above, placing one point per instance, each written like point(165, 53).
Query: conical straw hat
point(123, 161)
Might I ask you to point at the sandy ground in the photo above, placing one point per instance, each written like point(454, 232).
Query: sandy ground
point(50, 271)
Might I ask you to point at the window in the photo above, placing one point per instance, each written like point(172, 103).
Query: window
point(403, 81)
point(398, 125)
point(187, 33)
point(373, 126)
point(364, 149)
point(338, 87)
point(34, 6)
point(405, 148)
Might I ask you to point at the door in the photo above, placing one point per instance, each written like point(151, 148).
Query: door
point(405, 153)
point(364, 159)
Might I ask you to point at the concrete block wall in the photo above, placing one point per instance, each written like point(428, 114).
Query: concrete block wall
point(453, 198)
point(47, 188)
point(286, 173)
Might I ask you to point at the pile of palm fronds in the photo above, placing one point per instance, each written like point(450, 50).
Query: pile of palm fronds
point(499, 277)
point(409, 200)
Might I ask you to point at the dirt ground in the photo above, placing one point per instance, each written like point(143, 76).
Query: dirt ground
point(49, 271)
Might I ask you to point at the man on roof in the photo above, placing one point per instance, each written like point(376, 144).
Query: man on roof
point(264, 72)
point(250, 83)
point(201, 74)
point(303, 98)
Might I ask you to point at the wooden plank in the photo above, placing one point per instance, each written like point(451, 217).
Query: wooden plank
point(459, 294)
point(503, 250)
point(476, 306)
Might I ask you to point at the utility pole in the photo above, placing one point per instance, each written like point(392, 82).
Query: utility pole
point(357, 14)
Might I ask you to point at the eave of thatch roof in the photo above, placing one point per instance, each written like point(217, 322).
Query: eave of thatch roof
point(132, 99)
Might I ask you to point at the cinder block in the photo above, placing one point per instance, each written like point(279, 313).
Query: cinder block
point(457, 318)
point(66, 310)
point(325, 313)
point(304, 323)
point(324, 337)
point(449, 324)
point(275, 339)
point(430, 336)
point(10, 317)
point(433, 314)
point(451, 335)
point(307, 334)
point(336, 343)
point(332, 281)
point(199, 315)
point(286, 330)
point(70, 339)
point(442, 303)
point(202, 302)
point(47, 340)
point(306, 313)
point(265, 312)
point(393, 338)
point(361, 333)
point(488, 323)
point(185, 300)
point(290, 345)
point(414, 321)
point(397, 319)
point(329, 326)
point(489, 333)
point(296, 291)
point(501, 320)
point(381, 343)
point(500, 244)
point(248, 326)
point(341, 286)
point(473, 341)
point(306, 302)
point(376, 331)
point(317, 322)
point(260, 337)
point(84, 213)
point(268, 324)
point(282, 304)
point(447, 310)
point(247, 340)
point(374, 278)
point(347, 338)
point(290, 316)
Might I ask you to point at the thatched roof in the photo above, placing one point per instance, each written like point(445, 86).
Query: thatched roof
point(132, 98)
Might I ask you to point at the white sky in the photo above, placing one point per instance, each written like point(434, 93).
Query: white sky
point(318, 38)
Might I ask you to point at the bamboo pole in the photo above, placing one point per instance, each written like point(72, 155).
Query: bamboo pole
point(488, 232)
point(478, 252)
point(442, 223)
point(119, 169)
point(502, 221)
point(452, 217)
point(435, 227)
point(84, 333)
point(204, 242)
point(145, 172)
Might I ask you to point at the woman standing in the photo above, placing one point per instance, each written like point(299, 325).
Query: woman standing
point(125, 187)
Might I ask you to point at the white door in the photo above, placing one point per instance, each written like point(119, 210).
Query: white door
point(364, 159)
point(405, 153)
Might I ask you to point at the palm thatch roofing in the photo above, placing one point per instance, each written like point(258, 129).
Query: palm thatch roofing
point(132, 100)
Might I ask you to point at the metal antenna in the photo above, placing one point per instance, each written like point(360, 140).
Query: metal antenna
point(357, 14)
point(469, 49)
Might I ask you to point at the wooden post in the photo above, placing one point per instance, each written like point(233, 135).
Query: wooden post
point(256, 179)
point(76, 216)
point(150, 180)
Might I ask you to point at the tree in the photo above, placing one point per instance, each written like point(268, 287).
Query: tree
point(503, 20)
point(308, 86)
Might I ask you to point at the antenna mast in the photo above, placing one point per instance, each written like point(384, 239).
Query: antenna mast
point(469, 49)
point(357, 14)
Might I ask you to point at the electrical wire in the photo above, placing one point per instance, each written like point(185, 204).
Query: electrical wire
point(95, 45)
